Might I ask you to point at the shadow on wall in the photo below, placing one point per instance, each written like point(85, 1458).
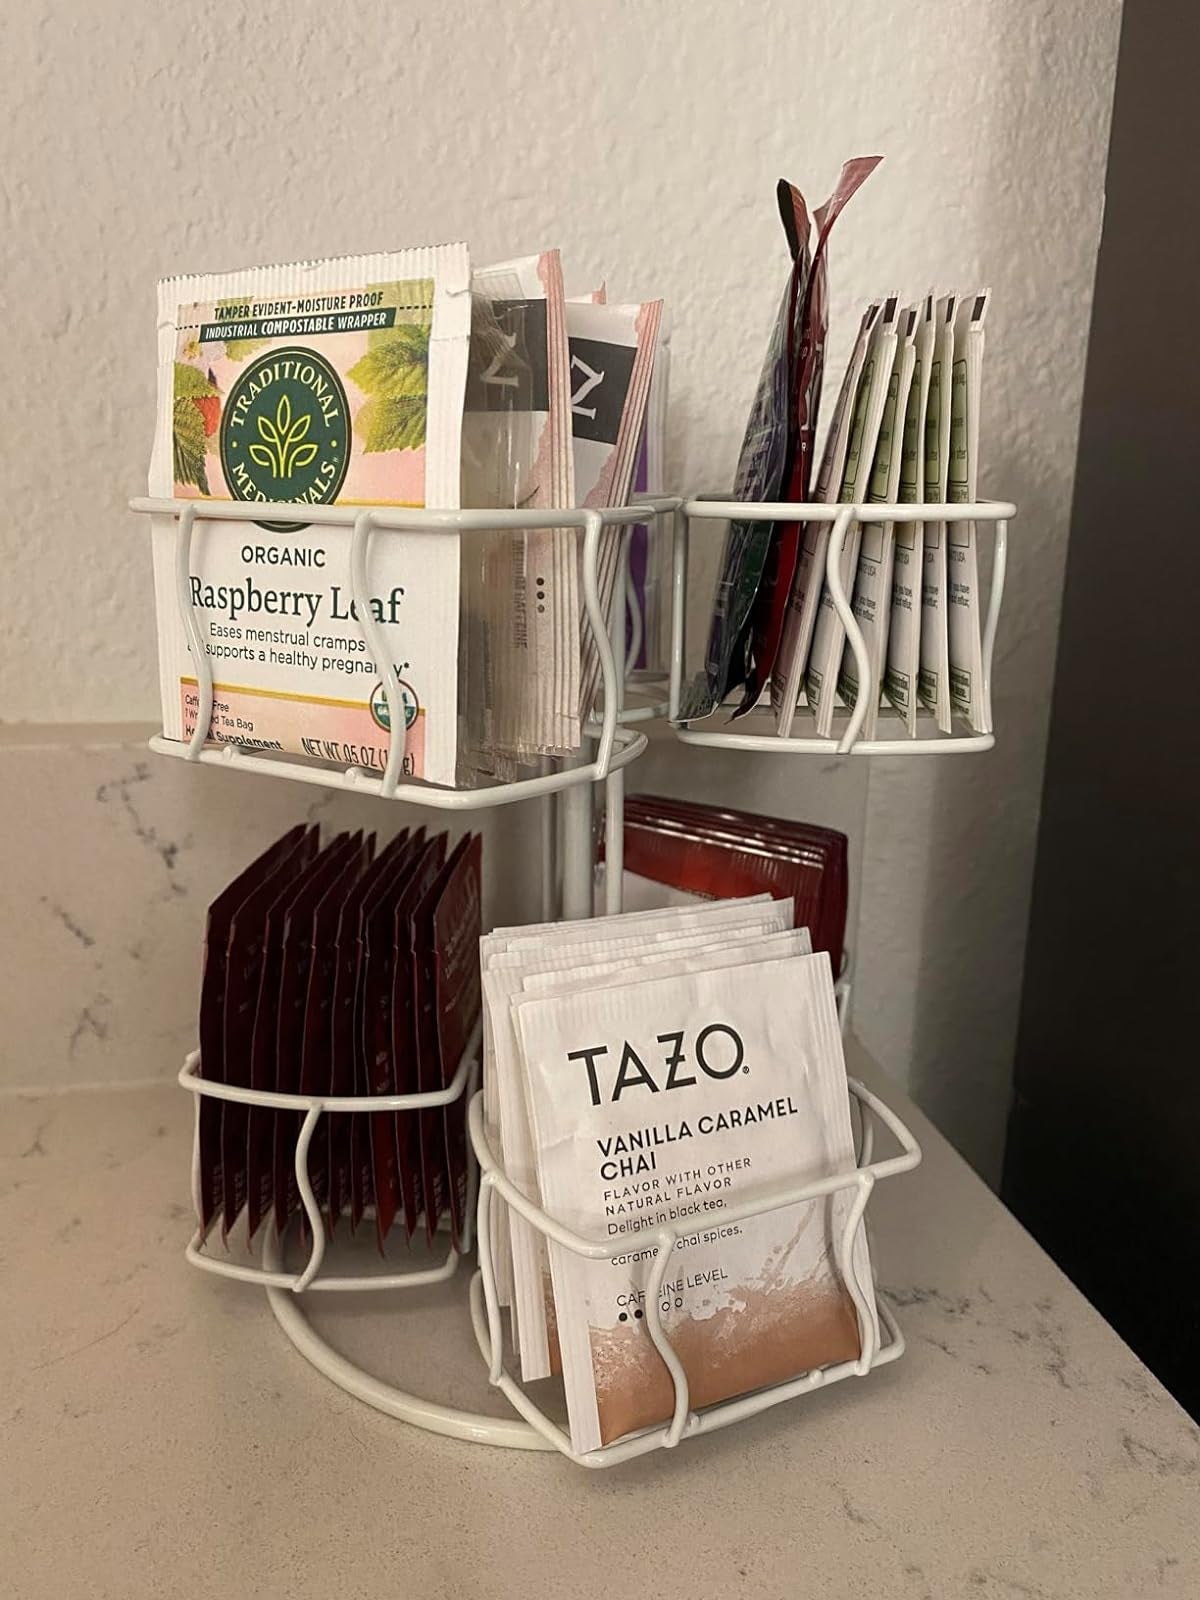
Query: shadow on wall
point(950, 842)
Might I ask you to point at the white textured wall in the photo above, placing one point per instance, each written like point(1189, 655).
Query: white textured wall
point(146, 138)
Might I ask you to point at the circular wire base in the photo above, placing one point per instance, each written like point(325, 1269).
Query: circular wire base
point(475, 1427)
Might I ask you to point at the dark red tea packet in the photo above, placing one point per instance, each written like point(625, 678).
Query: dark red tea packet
point(212, 1012)
point(343, 1044)
point(722, 853)
point(243, 979)
point(456, 931)
point(316, 1062)
point(373, 1151)
point(405, 1078)
point(435, 1176)
point(280, 1019)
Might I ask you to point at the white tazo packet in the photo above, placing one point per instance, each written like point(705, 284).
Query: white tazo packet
point(318, 382)
point(962, 574)
point(904, 632)
point(507, 958)
point(933, 681)
point(830, 636)
point(664, 1102)
point(872, 599)
point(787, 680)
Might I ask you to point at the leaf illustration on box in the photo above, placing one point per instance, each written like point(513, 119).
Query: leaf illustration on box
point(244, 349)
point(282, 449)
point(394, 374)
point(194, 417)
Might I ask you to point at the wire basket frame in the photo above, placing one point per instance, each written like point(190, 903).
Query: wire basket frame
point(993, 513)
point(684, 1422)
point(615, 744)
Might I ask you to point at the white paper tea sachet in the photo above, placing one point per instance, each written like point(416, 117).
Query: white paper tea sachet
point(788, 679)
point(830, 636)
point(538, 937)
point(681, 1096)
point(962, 573)
point(613, 349)
point(320, 382)
point(904, 632)
point(534, 605)
point(872, 600)
point(658, 934)
point(933, 682)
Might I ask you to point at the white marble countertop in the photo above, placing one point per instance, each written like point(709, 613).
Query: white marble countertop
point(160, 1437)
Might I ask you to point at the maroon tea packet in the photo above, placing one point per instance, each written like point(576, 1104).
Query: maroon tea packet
point(435, 1175)
point(278, 1033)
point(456, 931)
point(807, 368)
point(316, 1060)
point(343, 1046)
point(374, 1151)
point(212, 1012)
point(405, 1078)
point(243, 978)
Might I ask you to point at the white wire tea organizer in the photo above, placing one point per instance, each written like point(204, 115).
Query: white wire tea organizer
point(612, 745)
point(747, 734)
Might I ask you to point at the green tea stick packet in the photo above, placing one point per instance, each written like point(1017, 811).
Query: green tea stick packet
point(904, 632)
point(962, 562)
point(872, 601)
point(933, 682)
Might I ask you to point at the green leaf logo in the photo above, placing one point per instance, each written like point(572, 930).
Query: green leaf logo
point(285, 429)
point(282, 451)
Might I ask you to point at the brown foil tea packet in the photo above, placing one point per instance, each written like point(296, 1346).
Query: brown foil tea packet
point(212, 1012)
point(267, 1042)
point(455, 952)
point(243, 978)
point(405, 1077)
point(664, 1102)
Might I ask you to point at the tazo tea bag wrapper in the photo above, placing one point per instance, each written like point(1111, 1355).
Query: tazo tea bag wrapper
point(613, 350)
point(829, 635)
point(761, 472)
point(962, 570)
point(872, 596)
point(504, 971)
point(808, 366)
point(933, 682)
point(529, 600)
point(688, 1094)
point(904, 632)
point(323, 382)
point(788, 680)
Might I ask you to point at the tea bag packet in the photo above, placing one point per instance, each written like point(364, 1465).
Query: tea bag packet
point(613, 351)
point(904, 631)
point(787, 682)
point(217, 929)
point(517, 1249)
point(527, 623)
point(808, 365)
point(456, 997)
point(650, 566)
point(962, 572)
point(829, 635)
point(326, 382)
point(406, 1077)
point(761, 473)
point(663, 1102)
point(933, 681)
point(872, 594)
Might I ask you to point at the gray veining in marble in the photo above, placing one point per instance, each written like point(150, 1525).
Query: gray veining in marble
point(161, 1438)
